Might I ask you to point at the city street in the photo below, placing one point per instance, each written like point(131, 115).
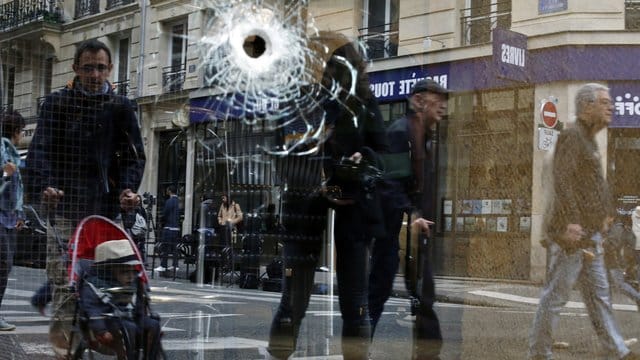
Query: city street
point(223, 322)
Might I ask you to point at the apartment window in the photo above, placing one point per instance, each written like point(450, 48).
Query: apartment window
point(173, 75)
point(380, 28)
point(632, 14)
point(9, 84)
point(480, 17)
point(87, 7)
point(116, 3)
point(122, 67)
point(46, 68)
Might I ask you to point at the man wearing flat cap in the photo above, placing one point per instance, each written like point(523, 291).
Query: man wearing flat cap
point(408, 188)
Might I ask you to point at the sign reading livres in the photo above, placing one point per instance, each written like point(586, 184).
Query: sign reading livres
point(510, 54)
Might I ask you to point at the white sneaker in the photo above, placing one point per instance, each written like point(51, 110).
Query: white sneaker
point(160, 269)
point(171, 268)
point(560, 345)
point(630, 342)
point(5, 326)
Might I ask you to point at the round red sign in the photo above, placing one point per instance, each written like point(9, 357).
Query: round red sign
point(549, 114)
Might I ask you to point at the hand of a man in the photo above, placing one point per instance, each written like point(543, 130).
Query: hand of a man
point(128, 200)
point(51, 196)
point(356, 157)
point(422, 225)
point(9, 168)
point(105, 338)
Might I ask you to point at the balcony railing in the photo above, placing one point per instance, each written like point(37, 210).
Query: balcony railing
point(478, 22)
point(122, 87)
point(632, 14)
point(86, 8)
point(381, 41)
point(115, 3)
point(22, 12)
point(173, 78)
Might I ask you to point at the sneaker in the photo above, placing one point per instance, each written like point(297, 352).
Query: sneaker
point(630, 342)
point(560, 345)
point(5, 326)
point(160, 269)
point(171, 268)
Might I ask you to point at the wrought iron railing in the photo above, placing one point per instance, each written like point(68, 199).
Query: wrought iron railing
point(115, 3)
point(478, 22)
point(632, 15)
point(122, 87)
point(21, 12)
point(86, 8)
point(173, 78)
point(380, 41)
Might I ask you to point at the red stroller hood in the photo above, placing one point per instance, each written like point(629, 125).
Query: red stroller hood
point(91, 232)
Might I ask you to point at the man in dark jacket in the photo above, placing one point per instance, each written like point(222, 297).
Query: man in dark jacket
point(356, 132)
point(86, 157)
point(580, 214)
point(409, 183)
point(170, 232)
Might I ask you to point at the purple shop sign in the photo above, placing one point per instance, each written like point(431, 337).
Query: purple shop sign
point(551, 6)
point(626, 104)
point(510, 55)
point(393, 85)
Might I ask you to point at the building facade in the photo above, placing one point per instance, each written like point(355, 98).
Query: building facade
point(513, 67)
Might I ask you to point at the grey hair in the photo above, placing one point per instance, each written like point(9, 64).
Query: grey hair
point(588, 93)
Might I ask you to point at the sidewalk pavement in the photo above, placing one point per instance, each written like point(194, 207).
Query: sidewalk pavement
point(467, 291)
point(474, 291)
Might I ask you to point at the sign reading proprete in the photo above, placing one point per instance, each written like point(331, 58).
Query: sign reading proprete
point(510, 54)
point(396, 84)
point(551, 6)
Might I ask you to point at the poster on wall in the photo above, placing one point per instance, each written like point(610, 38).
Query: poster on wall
point(525, 223)
point(492, 224)
point(486, 207)
point(481, 224)
point(447, 207)
point(502, 224)
point(477, 207)
point(470, 224)
point(448, 223)
point(467, 206)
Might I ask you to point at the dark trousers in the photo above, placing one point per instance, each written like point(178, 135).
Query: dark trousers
point(427, 337)
point(7, 249)
point(300, 260)
point(384, 266)
point(168, 246)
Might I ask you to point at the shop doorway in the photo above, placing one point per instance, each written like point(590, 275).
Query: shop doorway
point(623, 170)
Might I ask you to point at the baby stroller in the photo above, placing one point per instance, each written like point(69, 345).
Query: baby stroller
point(91, 232)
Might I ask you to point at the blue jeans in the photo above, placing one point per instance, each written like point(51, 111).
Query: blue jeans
point(565, 271)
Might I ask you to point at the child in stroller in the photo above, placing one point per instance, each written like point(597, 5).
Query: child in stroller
point(112, 308)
